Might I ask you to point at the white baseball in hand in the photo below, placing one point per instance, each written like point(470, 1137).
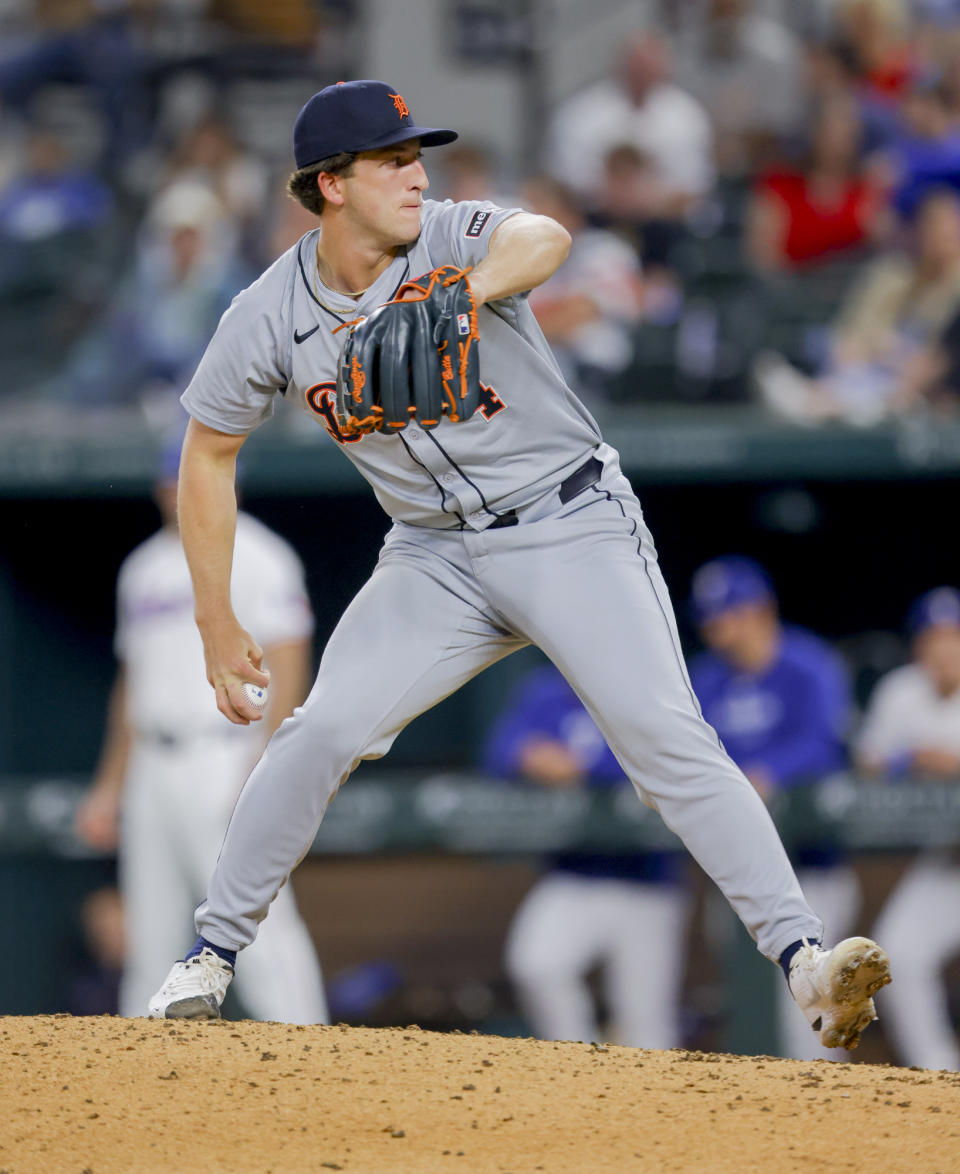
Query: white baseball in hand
point(255, 695)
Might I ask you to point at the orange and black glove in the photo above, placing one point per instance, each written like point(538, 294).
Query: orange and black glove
point(413, 359)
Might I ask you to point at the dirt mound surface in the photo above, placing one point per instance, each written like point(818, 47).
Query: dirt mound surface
point(102, 1095)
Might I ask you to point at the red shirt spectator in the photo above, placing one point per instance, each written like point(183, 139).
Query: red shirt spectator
point(827, 206)
point(879, 36)
point(818, 223)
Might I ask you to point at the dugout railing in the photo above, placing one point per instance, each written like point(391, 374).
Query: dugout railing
point(388, 815)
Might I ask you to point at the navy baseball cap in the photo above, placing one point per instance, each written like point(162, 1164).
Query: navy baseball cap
point(939, 606)
point(357, 116)
point(727, 582)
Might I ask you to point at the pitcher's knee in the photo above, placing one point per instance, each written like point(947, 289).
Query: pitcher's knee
point(321, 739)
point(662, 756)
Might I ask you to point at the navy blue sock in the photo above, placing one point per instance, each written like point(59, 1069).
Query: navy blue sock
point(787, 956)
point(202, 944)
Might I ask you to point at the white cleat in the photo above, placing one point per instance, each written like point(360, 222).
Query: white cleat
point(193, 989)
point(835, 988)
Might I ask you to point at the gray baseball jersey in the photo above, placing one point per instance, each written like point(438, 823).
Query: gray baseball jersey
point(458, 586)
point(278, 338)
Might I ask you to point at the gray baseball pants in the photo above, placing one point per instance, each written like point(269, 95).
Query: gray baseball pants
point(579, 580)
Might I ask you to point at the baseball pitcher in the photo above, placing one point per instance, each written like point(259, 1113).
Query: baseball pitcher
point(401, 325)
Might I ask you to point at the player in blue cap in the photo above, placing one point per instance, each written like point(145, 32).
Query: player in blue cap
point(779, 697)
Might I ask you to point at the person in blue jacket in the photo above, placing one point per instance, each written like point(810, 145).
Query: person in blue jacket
point(624, 912)
point(779, 697)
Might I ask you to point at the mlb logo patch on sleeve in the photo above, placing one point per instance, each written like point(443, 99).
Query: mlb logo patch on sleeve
point(478, 221)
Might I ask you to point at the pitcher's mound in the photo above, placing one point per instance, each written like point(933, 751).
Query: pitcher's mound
point(105, 1095)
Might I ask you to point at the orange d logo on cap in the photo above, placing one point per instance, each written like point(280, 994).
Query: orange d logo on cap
point(401, 107)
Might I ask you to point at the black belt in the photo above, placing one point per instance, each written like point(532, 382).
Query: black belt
point(580, 479)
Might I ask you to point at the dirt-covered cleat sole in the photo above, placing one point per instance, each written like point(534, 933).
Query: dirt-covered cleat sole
point(835, 988)
point(196, 1007)
point(194, 989)
point(857, 968)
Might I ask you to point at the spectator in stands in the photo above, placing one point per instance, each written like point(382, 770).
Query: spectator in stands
point(897, 309)
point(877, 34)
point(832, 72)
point(633, 203)
point(469, 172)
point(779, 698)
point(587, 308)
point(746, 69)
point(90, 44)
point(826, 206)
point(936, 16)
point(184, 275)
point(624, 912)
point(294, 23)
point(934, 382)
point(51, 195)
point(950, 79)
point(926, 153)
point(912, 726)
point(643, 106)
point(58, 257)
point(210, 154)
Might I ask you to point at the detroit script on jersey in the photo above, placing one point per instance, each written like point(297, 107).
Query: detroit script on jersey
point(278, 338)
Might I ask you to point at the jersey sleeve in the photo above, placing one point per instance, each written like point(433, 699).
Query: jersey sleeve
point(246, 363)
point(460, 232)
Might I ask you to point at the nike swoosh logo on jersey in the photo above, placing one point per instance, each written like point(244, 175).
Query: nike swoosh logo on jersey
point(298, 337)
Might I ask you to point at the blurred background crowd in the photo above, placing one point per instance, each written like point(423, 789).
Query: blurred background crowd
point(763, 196)
point(764, 201)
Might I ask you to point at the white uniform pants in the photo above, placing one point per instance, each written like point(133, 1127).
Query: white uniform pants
point(920, 929)
point(566, 925)
point(176, 806)
point(582, 582)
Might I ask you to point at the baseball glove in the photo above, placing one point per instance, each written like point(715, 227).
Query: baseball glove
point(413, 358)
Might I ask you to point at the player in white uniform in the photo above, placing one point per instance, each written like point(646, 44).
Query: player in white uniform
point(515, 526)
point(171, 769)
point(912, 725)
